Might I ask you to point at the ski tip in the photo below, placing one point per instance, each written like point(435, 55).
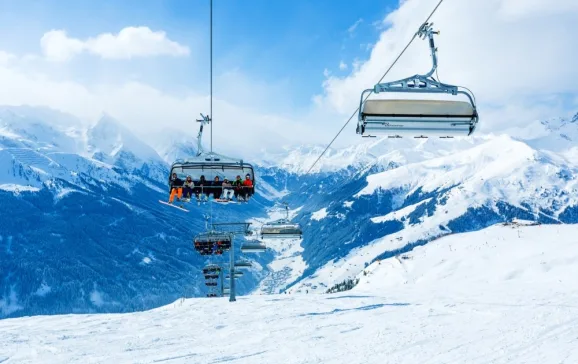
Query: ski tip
point(171, 205)
point(223, 201)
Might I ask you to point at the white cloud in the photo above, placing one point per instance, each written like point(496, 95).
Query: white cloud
point(58, 47)
point(515, 59)
point(130, 42)
point(143, 108)
point(516, 9)
point(511, 53)
point(31, 57)
point(6, 58)
point(342, 66)
point(366, 46)
point(352, 28)
point(378, 24)
point(135, 42)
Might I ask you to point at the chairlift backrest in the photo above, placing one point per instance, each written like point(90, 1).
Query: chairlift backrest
point(213, 237)
point(282, 232)
point(253, 247)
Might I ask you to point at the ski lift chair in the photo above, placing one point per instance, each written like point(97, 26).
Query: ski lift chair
point(253, 247)
point(212, 241)
point(419, 118)
point(236, 275)
point(211, 271)
point(281, 229)
point(211, 268)
point(243, 264)
point(210, 165)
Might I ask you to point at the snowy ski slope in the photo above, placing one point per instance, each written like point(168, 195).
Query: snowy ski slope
point(505, 294)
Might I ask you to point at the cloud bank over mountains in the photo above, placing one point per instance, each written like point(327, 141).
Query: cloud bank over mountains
point(514, 55)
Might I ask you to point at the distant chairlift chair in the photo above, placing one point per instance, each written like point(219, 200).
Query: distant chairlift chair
point(212, 242)
point(253, 247)
point(281, 229)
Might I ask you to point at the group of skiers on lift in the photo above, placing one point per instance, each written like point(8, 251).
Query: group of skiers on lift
point(221, 190)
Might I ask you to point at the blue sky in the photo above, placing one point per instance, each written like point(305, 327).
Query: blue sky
point(278, 80)
point(289, 43)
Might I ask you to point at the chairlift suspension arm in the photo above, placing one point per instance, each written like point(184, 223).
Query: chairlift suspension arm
point(204, 120)
point(426, 31)
point(419, 83)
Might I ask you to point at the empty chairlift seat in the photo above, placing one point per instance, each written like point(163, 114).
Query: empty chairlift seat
point(281, 230)
point(243, 264)
point(237, 275)
point(253, 247)
point(418, 117)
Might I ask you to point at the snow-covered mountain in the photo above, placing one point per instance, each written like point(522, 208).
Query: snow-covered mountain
point(82, 229)
point(108, 141)
point(405, 193)
point(505, 294)
point(172, 144)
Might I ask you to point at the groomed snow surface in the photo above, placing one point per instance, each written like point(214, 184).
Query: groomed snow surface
point(506, 294)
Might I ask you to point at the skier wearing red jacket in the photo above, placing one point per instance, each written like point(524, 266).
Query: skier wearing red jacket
point(248, 186)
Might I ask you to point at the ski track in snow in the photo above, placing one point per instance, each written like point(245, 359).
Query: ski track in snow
point(358, 327)
point(483, 297)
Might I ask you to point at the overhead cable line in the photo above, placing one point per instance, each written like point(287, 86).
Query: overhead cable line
point(381, 79)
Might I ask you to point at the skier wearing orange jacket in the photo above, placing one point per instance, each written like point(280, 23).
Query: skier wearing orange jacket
point(176, 188)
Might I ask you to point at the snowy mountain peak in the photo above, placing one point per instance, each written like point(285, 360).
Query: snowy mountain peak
point(109, 139)
point(172, 144)
point(381, 152)
point(26, 114)
point(40, 128)
point(372, 199)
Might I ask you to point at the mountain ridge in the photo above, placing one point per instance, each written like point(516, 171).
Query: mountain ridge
point(361, 203)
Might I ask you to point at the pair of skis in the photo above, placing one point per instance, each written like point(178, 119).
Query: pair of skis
point(173, 205)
